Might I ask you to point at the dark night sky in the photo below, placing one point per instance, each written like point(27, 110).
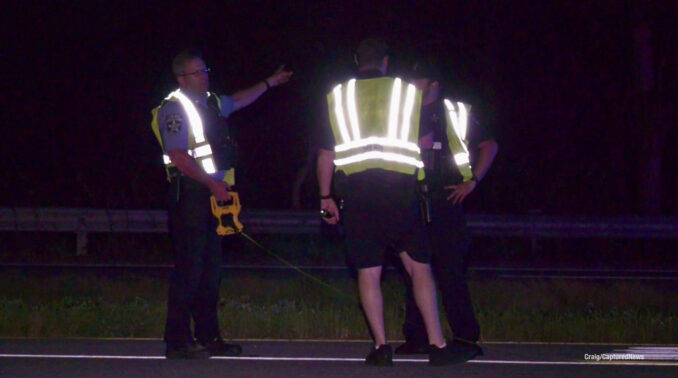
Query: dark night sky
point(552, 79)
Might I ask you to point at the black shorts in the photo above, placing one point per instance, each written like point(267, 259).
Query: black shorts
point(381, 213)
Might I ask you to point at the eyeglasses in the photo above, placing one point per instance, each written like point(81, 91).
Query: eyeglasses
point(198, 72)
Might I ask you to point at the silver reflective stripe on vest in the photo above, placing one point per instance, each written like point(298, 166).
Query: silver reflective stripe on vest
point(407, 112)
point(208, 165)
point(352, 109)
point(338, 110)
point(192, 113)
point(395, 146)
point(461, 158)
point(459, 124)
point(394, 110)
point(388, 156)
point(202, 151)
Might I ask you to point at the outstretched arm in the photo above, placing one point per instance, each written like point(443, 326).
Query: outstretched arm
point(247, 96)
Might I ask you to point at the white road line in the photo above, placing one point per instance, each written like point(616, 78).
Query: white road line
point(566, 277)
point(81, 357)
point(653, 349)
point(652, 353)
point(615, 363)
point(340, 359)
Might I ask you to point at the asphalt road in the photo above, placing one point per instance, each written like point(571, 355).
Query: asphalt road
point(144, 358)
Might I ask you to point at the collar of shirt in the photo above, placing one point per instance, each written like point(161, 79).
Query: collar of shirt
point(197, 98)
point(369, 74)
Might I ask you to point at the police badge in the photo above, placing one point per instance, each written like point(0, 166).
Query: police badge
point(173, 123)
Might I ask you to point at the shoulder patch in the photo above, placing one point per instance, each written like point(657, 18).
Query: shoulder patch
point(173, 122)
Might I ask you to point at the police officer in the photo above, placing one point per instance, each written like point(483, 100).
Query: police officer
point(370, 147)
point(190, 125)
point(447, 130)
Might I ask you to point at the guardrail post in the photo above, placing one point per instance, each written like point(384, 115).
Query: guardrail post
point(534, 240)
point(81, 243)
point(81, 235)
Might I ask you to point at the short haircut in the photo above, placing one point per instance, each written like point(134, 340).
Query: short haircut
point(371, 51)
point(181, 59)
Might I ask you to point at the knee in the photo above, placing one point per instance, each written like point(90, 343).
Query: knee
point(417, 270)
point(370, 274)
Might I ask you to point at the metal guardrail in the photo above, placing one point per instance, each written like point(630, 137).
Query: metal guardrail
point(84, 221)
point(153, 221)
point(544, 226)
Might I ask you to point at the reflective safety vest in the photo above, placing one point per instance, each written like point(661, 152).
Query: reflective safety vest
point(198, 145)
point(376, 125)
point(457, 115)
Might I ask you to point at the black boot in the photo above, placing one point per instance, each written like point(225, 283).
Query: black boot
point(190, 351)
point(218, 347)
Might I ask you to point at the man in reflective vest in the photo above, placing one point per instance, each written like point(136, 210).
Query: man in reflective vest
point(190, 126)
point(446, 129)
point(370, 149)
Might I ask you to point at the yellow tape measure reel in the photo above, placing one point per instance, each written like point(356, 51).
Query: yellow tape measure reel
point(227, 225)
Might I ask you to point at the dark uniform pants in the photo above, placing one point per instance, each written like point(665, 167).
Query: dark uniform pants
point(194, 284)
point(449, 240)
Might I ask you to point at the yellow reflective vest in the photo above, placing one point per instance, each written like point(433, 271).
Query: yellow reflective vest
point(457, 115)
point(198, 145)
point(375, 123)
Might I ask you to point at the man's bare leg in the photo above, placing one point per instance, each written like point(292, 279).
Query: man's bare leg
point(369, 287)
point(426, 298)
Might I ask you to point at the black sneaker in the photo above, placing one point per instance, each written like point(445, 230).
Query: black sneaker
point(218, 347)
point(190, 351)
point(412, 347)
point(381, 356)
point(467, 349)
point(444, 356)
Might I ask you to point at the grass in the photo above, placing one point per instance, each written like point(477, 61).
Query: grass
point(254, 306)
point(576, 311)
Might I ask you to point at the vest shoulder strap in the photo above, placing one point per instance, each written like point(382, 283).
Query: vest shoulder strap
point(154, 122)
point(214, 101)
